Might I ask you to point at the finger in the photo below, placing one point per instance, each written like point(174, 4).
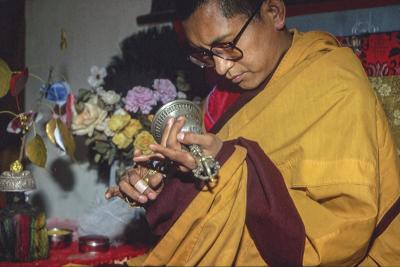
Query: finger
point(137, 153)
point(155, 180)
point(167, 131)
point(156, 183)
point(138, 180)
point(182, 157)
point(209, 143)
point(113, 192)
point(145, 158)
point(129, 190)
point(189, 138)
point(172, 142)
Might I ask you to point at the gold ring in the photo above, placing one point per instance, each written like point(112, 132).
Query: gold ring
point(148, 174)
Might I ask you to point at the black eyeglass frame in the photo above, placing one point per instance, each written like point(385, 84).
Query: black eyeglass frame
point(209, 53)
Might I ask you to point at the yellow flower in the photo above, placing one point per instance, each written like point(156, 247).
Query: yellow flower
point(142, 142)
point(121, 140)
point(150, 117)
point(132, 128)
point(118, 122)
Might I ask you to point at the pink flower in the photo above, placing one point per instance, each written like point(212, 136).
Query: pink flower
point(165, 90)
point(140, 97)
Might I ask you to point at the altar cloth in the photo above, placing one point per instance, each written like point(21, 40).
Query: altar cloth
point(71, 256)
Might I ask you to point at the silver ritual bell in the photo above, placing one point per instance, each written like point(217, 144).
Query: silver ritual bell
point(207, 166)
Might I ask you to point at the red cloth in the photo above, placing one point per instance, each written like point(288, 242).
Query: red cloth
point(378, 52)
point(71, 254)
point(217, 103)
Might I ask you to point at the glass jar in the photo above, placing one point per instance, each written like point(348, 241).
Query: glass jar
point(23, 233)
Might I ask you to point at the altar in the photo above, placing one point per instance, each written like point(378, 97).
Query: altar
point(71, 256)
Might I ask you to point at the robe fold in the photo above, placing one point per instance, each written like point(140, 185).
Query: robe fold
point(310, 174)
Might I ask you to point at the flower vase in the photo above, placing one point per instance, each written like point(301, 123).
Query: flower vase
point(112, 218)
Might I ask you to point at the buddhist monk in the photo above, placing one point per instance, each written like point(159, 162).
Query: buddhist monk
point(309, 171)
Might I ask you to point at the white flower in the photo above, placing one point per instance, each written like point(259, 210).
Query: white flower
point(96, 77)
point(120, 111)
point(109, 97)
point(181, 95)
point(100, 90)
point(89, 119)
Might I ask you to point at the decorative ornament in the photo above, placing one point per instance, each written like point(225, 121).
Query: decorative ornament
point(16, 167)
point(63, 40)
point(17, 179)
point(18, 82)
point(36, 152)
point(5, 77)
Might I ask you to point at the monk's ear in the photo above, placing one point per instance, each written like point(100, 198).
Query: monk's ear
point(276, 11)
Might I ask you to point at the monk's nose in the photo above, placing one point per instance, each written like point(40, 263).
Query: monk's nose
point(222, 66)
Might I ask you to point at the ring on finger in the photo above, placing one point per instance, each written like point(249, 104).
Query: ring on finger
point(149, 173)
point(141, 186)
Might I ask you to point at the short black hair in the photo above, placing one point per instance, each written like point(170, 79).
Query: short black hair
point(229, 8)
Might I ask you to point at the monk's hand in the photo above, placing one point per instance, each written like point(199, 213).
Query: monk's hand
point(137, 186)
point(173, 141)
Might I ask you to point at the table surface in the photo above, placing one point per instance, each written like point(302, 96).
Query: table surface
point(71, 254)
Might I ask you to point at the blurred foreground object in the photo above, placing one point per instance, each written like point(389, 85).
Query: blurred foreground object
point(23, 233)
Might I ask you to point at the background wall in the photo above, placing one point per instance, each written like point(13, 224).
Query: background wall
point(94, 29)
point(379, 19)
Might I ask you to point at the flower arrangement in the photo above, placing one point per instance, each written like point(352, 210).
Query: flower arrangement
point(54, 95)
point(112, 124)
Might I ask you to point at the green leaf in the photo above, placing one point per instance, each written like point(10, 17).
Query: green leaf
point(97, 158)
point(5, 78)
point(89, 141)
point(35, 151)
point(112, 156)
point(83, 95)
point(102, 147)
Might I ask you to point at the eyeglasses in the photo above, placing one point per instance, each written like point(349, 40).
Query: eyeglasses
point(228, 51)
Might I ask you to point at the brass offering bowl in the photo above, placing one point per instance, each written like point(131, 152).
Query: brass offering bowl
point(59, 237)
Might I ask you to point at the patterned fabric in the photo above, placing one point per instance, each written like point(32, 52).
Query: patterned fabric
point(380, 56)
point(378, 52)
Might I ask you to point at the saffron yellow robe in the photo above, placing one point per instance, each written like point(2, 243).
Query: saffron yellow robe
point(320, 123)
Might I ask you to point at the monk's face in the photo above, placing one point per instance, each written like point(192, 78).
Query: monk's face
point(262, 43)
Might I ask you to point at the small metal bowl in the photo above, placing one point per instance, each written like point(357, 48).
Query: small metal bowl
point(93, 244)
point(59, 237)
